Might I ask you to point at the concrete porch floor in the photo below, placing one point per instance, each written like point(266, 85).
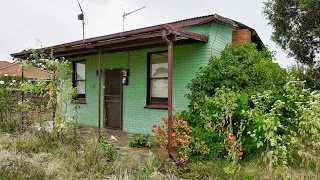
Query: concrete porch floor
point(122, 142)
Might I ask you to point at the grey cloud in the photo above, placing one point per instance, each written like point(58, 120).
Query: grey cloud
point(55, 21)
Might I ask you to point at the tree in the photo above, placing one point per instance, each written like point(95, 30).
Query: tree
point(296, 26)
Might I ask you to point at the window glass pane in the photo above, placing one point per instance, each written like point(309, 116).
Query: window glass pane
point(159, 88)
point(81, 85)
point(81, 70)
point(159, 65)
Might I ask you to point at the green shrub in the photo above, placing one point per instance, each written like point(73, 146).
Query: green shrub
point(143, 140)
point(109, 148)
point(310, 74)
point(243, 68)
point(243, 104)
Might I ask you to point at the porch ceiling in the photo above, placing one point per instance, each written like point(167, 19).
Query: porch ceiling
point(130, 40)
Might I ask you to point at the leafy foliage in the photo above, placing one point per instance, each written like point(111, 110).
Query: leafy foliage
point(220, 94)
point(234, 114)
point(60, 90)
point(242, 68)
point(310, 74)
point(143, 140)
point(296, 27)
point(109, 148)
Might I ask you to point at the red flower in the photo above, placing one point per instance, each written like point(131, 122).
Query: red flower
point(240, 149)
point(154, 126)
point(174, 145)
point(197, 138)
point(232, 137)
point(163, 119)
point(240, 153)
point(182, 160)
point(166, 141)
point(203, 142)
point(228, 149)
point(184, 133)
point(173, 134)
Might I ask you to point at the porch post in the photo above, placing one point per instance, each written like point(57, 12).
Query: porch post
point(99, 92)
point(170, 61)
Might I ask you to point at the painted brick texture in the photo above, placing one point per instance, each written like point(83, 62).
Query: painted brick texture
point(240, 36)
point(187, 59)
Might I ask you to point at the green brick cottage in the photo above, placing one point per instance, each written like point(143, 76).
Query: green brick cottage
point(142, 71)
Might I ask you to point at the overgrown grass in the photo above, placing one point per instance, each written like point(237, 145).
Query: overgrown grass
point(42, 155)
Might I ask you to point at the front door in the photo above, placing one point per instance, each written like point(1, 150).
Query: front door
point(113, 99)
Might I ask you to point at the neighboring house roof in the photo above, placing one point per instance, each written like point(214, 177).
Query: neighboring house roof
point(139, 37)
point(3, 63)
point(14, 69)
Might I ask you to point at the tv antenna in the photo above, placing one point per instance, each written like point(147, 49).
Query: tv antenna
point(81, 17)
point(126, 14)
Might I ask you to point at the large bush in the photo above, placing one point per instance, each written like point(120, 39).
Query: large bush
point(242, 68)
point(220, 93)
point(241, 104)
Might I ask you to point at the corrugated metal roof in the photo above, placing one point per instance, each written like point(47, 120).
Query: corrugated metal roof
point(181, 23)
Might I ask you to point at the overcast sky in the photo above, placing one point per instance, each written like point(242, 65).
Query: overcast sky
point(55, 21)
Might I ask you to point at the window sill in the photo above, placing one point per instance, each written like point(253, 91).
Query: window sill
point(152, 106)
point(80, 101)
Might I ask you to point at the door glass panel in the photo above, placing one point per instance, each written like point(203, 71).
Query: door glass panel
point(113, 100)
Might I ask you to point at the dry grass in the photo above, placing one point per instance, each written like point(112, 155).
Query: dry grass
point(38, 155)
point(41, 155)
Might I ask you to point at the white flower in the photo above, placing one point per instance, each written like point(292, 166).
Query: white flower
point(5, 74)
point(1, 82)
point(271, 152)
point(14, 81)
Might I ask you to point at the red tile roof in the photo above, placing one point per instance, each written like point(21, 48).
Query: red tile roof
point(3, 63)
point(14, 69)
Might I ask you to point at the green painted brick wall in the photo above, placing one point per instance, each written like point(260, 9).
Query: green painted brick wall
point(187, 60)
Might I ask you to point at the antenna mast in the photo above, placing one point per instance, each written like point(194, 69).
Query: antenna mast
point(81, 17)
point(126, 14)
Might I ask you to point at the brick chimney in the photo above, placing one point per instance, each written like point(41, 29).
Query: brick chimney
point(240, 36)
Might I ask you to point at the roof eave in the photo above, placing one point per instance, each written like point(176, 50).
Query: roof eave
point(112, 42)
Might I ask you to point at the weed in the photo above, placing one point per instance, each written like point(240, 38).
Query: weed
point(143, 140)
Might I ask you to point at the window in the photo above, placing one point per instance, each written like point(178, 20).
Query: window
point(157, 85)
point(79, 78)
